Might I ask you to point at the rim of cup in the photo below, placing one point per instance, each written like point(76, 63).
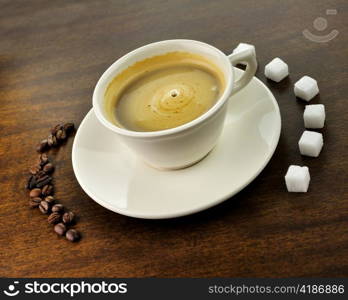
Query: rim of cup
point(116, 67)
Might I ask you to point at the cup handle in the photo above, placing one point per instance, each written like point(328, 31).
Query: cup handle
point(248, 58)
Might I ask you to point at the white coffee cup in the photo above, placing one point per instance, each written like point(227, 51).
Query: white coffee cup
point(186, 144)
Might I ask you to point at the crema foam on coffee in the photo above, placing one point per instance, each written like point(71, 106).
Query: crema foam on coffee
point(163, 92)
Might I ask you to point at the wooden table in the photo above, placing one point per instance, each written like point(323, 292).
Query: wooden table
point(51, 56)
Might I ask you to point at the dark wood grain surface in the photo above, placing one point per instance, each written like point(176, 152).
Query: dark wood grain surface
point(51, 56)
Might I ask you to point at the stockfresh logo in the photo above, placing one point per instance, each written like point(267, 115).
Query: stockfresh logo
point(320, 24)
point(67, 288)
point(11, 290)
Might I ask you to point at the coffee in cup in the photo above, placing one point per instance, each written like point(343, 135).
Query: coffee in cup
point(183, 145)
point(163, 91)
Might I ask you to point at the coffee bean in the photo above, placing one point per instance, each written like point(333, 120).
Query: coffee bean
point(40, 174)
point(35, 193)
point(42, 146)
point(52, 140)
point(61, 134)
point(56, 128)
point(48, 168)
point(68, 217)
point(34, 169)
point(60, 228)
point(47, 190)
point(34, 202)
point(72, 235)
point(55, 141)
point(44, 207)
point(31, 182)
point(54, 218)
point(58, 208)
point(40, 186)
point(69, 127)
point(50, 199)
point(42, 181)
point(43, 159)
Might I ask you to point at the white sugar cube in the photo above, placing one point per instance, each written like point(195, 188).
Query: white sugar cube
point(276, 70)
point(244, 46)
point(314, 116)
point(311, 143)
point(306, 88)
point(297, 179)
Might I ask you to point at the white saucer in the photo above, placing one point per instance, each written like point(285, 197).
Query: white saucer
point(113, 176)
